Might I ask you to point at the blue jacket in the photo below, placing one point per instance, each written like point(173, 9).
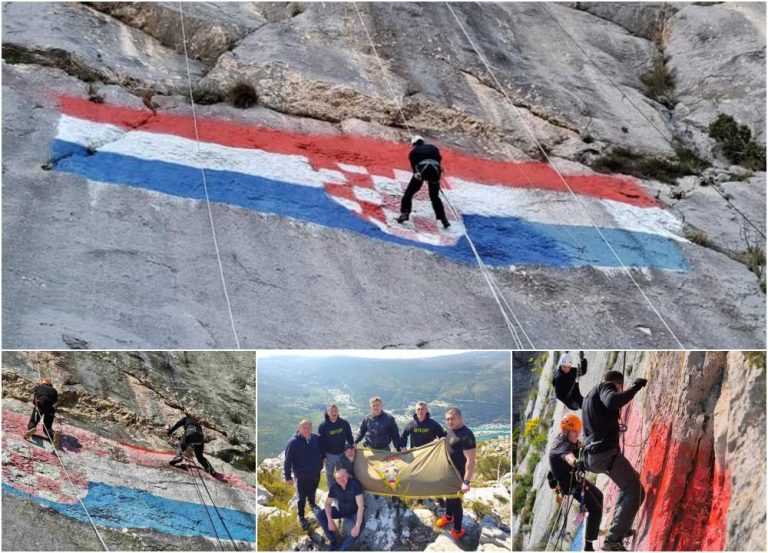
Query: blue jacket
point(379, 431)
point(303, 457)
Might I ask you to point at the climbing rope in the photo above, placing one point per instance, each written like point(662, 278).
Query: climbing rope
point(498, 296)
point(565, 183)
point(64, 468)
point(624, 96)
point(205, 181)
point(221, 518)
point(202, 502)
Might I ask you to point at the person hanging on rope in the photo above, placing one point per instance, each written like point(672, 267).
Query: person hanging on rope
point(566, 380)
point(601, 412)
point(193, 437)
point(425, 160)
point(563, 461)
point(44, 398)
point(463, 454)
point(304, 459)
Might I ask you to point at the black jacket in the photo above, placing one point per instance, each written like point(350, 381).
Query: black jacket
point(600, 414)
point(422, 433)
point(190, 424)
point(379, 431)
point(303, 457)
point(333, 435)
point(423, 152)
point(45, 397)
point(566, 388)
point(561, 447)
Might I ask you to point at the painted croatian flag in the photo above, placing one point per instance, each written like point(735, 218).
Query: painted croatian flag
point(516, 213)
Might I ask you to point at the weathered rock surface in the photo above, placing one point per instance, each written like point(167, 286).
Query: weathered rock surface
point(694, 435)
point(124, 267)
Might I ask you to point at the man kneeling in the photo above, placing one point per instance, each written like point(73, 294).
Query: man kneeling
point(350, 505)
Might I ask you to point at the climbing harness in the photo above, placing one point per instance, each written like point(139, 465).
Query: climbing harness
point(64, 468)
point(501, 301)
point(205, 181)
point(565, 183)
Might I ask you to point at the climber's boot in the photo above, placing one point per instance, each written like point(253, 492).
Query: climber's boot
point(458, 534)
point(176, 460)
point(29, 433)
point(609, 545)
point(443, 520)
point(588, 546)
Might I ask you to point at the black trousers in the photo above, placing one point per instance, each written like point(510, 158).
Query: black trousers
point(406, 204)
point(593, 499)
point(454, 509)
point(48, 415)
point(196, 442)
point(306, 487)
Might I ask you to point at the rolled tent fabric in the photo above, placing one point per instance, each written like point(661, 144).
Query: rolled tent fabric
point(422, 472)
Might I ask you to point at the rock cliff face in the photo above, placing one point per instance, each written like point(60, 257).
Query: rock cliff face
point(694, 434)
point(111, 412)
point(404, 525)
point(305, 183)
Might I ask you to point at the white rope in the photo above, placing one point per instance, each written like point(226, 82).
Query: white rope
point(64, 468)
point(568, 186)
point(495, 291)
point(383, 71)
point(205, 182)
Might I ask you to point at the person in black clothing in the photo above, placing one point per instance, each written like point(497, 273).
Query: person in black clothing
point(563, 456)
point(422, 429)
point(425, 162)
point(193, 437)
point(334, 432)
point(350, 507)
point(44, 398)
point(304, 458)
point(346, 461)
point(378, 428)
point(566, 380)
point(601, 412)
point(461, 449)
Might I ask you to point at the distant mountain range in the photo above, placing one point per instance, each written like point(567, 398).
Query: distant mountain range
point(293, 387)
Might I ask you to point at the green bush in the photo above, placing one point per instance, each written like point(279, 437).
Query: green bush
point(273, 481)
point(277, 533)
point(736, 142)
point(492, 467)
point(664, 169)
point(659, 83)
point(531, 429)
point(533, 460)
point(523, 484)
point(755, 359)
point(539, 442)
point(481, 509)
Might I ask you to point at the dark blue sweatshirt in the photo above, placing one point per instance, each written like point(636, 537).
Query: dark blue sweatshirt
point(379, 431)
point(600, 414)
point(333, 435)
point(303, 457)
point(422, 432)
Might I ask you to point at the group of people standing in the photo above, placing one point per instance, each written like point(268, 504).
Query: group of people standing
point(334, 447)
point(600, 453)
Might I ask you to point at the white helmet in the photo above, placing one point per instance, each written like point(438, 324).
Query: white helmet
point(416, 138)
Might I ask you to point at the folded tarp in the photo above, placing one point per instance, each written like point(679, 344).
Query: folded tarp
point(422, 472)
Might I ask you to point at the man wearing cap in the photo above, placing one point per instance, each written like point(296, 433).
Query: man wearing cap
point(425, 162)
point(44, 398)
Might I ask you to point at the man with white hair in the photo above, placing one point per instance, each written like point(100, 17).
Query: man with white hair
point(425, 160)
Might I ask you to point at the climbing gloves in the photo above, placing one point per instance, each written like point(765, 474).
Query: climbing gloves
point(639, 383)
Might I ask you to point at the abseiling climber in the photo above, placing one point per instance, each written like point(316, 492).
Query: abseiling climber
point(425, 160)
point(569, 479)
point(193, 437)
point(601, 411)
point(44, 399)
point(566, 380)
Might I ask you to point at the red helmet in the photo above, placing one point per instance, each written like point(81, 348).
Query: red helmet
point(570, 422)
point(46, 381)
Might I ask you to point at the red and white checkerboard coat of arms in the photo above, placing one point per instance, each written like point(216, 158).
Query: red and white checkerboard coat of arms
point(377, 200)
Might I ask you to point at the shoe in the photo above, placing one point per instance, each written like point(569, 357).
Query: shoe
point(612, 546)
point(29, 433)
point(457, 535)
point(403, 218)
point(56, 439)
point(304, 523)
point(588, 546)
point(175, 461)
point(443, 520)
point(445, 222)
